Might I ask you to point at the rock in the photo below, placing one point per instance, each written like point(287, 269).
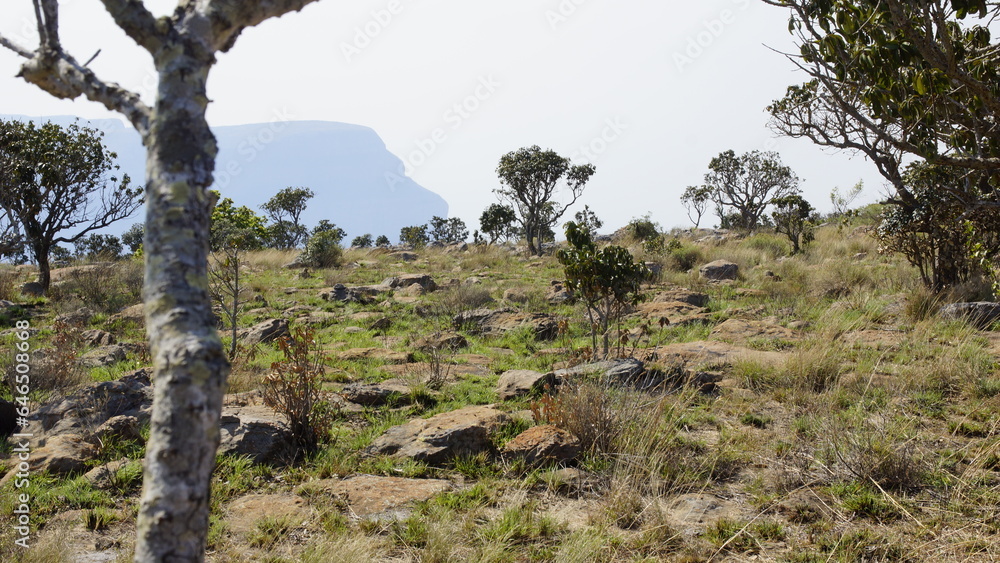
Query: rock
point(489, 322)
point(353, 330)
point(90, 407)
point(381, 323)
point(341, 292)
point(414, 290)
point(570, 480)
point(66, 454)
point(694, 513)
point(406, 280)
point(266, 331)
point(135, 313)
point(80, 317)
point(103, 476)
point(739, 330)
point(714, 353)
point(719, 270)
point(441, 341)
point(95, 337)
point(317, 318)
point(256, 431)
point(980, 314)
point(244, 514)
point(558, 293)
point(370, 496)
point(404, 256)
point(375, 394)
point(456, 247)
point(121, 427)
point(442, 437)
point(513, 295)
point(676, 312)
point(682, 295)
point(543, 444)
point(104, 356)
point(627, 372)
point(34, 289)
point(518, 382)
point(8, 418)
point(380, 354)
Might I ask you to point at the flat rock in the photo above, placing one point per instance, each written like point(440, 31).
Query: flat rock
point(490, 322)
point(696, 512)
point(135, 313)
point(740, 330)
point(80, 317)
point(256, 431)
point(519, 382)
point(626, 372)
point(676, 312)
point(374, 394)
point(435, 440)
point(543, 444)
point(103, 476)
point(104, 356)
point(380, 354)
point(403, 281)
point(441, 341)
point(694, 298)
point(514, 295)
point(121, 427)
point(244, 512)
point(371, 496)
point(702, 352)
point(63, 455)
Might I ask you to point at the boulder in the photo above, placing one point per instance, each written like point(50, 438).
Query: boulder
point(95, 337)
point(514, 295)
point(243, 515)
point(135, 313)
point(542, 444)
point(371, 496)
point(66, 454)
point(380, 354)
point(266, 331)
point(121, 427)
point(87, 409)
point(404, 256)
point(33, 289)
point(104, 356)
point(406, 280)
point(518, 382)
point(442, 437)
point(256, 431)
point(441, 341)
point(80, 317)
point(341, 292)
point(720, 270)
point(374, 394)
point(558, 293)
point(627, 372)
point(489, 322)
point(980, 314)
point(694, 298)
point(103, 476)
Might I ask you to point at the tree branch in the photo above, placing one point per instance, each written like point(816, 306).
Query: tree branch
point(137, 22)
point(230, 17)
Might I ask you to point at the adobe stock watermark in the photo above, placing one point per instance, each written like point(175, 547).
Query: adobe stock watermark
point(21, 452)
point(710, 31)
point(251, 146)
point(454, 118)
point(612, 131)
point(563, 12)
point(365, 34)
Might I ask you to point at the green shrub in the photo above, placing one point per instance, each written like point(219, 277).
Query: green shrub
point(323, 250)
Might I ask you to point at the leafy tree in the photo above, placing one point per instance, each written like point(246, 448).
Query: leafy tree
point(325, 226)
point(59, 184)
point(930, 233)
point(363, 241)
point(285, 211)
point(382, 241)
point(842, 201)
point(607, 280)
point(497, 222)
point(747, 184)
point(414, 235)
point(695, 200)
point(448, 231)
point(99, 247)
point(231, 222)
point(530, 179)
point(588, 220)
point(190, 366)
point(791, 217)
point(132, 238)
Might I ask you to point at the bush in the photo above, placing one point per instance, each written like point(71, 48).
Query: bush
point(107, 288)
point(643, 229)
point(415, 236)
point(293, 389)
point(382, 241)
point(363, 241)
point(323, 250)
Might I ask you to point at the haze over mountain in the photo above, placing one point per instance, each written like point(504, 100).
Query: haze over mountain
point(360, 186)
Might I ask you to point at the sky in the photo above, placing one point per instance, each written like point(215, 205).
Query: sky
point(647, 92)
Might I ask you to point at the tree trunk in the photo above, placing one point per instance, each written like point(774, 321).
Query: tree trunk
point(190, 365)
point(41, 252)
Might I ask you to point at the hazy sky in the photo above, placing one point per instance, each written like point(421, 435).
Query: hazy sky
point(647, 91)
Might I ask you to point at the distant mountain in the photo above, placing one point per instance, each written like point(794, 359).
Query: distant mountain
point(360, 186)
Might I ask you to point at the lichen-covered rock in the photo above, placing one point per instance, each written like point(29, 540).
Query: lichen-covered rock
point(496, 322)
point(441, 341)
point(442, 437)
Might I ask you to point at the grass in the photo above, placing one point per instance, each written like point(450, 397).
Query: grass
point(874, 436)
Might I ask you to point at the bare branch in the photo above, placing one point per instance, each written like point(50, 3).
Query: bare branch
point(230, 17)
point(137, 22)
point(21, 51)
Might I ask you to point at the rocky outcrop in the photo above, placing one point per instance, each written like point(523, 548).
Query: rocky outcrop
point(380, 354)
point(425, 281)
point(496, 322)
point(442, 437)
point(627, 372)
point(375, 394)
point(85, 410)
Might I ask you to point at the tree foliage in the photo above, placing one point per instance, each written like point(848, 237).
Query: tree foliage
point(530, 178)
point(588, 220)
point(98, 246)
point(448, 231)
point(362, 241)
point(792, 216)
point(237, 224)
point(498, 222)
point(746, 185)
point(414, 235)
point(695, 200)
point(60, 184)
point(607, 280)
point(382, 241)
point(285, 211)
point(132, 237)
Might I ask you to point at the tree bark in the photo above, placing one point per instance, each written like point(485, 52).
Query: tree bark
point(189, 361)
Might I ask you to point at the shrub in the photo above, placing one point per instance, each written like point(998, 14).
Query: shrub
point(414, 235)
point(293, 389)
point(382, 241)
point(643, 228)
point(363, 241)
point(106, 288)
point(323, 250)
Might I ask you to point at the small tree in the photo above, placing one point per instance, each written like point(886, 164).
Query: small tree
point(695, 199)
point(791, 217)
point(531, 177)
point(132, 238)
point(448, 231)
point(323, 250)
point(285, 211)
point(588, 220)
point(414, 235)
point(842, 201)
point(363, 241)
point(55, 180)
point(99, 247)
point(382, 241)
point(230, 221)
point(497, 222)
point(227, 284)
point(325, 226)
point(747, 184)
point(607, 280)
